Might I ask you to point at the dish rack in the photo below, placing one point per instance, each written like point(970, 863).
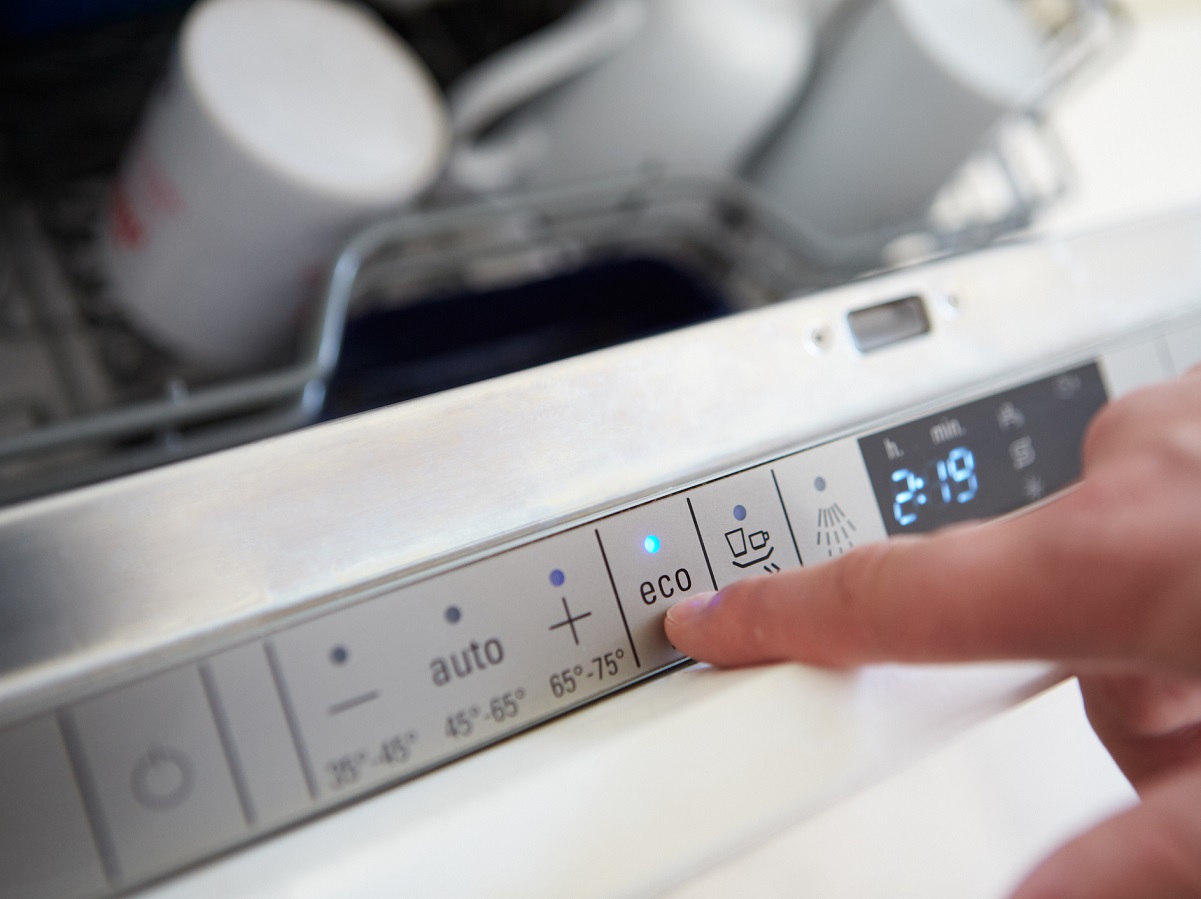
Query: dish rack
point(84, 397)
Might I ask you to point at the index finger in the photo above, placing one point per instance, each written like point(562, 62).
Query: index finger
point(1043, 585)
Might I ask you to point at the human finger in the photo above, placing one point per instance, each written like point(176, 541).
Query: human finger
point(1051, 584)
point(1150, 723)
point(1152, 851)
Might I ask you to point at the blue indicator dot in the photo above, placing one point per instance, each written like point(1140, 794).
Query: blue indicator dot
point(453, 614)
point(339, 654)
point(740, 513)
point(557, 578)
point(652, 544)
point(819, 484)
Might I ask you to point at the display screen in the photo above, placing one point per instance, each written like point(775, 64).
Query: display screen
point(983, 458)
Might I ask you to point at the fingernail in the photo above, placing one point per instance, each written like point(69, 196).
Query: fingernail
point(690, 608)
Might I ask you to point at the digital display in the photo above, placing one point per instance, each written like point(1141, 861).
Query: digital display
point(983, 458)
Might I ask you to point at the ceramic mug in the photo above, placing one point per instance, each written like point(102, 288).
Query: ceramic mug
point(619, 85)
point(279, 128)
point(896, 106)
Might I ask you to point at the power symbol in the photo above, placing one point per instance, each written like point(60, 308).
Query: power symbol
point(162, 778)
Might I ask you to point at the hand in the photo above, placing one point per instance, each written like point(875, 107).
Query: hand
point(1106, 579)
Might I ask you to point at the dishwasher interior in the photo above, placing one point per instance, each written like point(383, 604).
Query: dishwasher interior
point(524, 275)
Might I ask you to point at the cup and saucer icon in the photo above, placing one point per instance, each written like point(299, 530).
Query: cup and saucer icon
point(749, 549)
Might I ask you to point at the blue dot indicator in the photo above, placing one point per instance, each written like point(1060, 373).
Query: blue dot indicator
point(339, 654)
point(819, 484)
point(557, 578)
point(652, 544)
point(740, 513)
point(453, 614)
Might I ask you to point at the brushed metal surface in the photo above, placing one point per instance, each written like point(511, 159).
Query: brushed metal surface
point(93, 579)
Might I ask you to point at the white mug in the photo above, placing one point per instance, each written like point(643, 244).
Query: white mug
point(279, 127)
point(895, 108)
point(619, 85)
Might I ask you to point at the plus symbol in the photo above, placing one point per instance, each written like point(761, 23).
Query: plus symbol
point(570, 621)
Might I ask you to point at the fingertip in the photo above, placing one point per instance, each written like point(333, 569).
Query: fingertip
point(689, 609)
point(740, 625)
point(684, 622)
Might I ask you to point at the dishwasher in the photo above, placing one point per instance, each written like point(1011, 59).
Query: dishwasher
point(417, 643)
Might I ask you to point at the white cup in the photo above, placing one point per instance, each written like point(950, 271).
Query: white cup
point(691, 85)
point(899, 104)
point(280, 126)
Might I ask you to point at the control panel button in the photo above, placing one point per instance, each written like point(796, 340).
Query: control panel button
point(46, 847)
point(829, 500)
point(159, 769)
point(383, 688)
point(743, 525)
point(1184, 348)
point(263, 757)
point(550, 609)
point(348, 682)
point(1136, 366)
point(656, 557)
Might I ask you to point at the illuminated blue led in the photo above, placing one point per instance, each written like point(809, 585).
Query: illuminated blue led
point(740, 513)
point(652, 544)
point(557, 578)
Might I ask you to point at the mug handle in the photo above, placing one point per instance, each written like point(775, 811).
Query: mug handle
point(533, 66)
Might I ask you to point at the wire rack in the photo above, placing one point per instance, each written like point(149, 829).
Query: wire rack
point(84, 396)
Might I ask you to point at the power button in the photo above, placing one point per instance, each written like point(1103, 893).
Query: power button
point(162, 778)
point(159, 770)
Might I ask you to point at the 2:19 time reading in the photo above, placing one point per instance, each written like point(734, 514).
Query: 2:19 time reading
point(950, 480)
point(986, 457)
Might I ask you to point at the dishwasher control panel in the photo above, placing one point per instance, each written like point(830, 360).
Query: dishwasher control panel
point(196, 759)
